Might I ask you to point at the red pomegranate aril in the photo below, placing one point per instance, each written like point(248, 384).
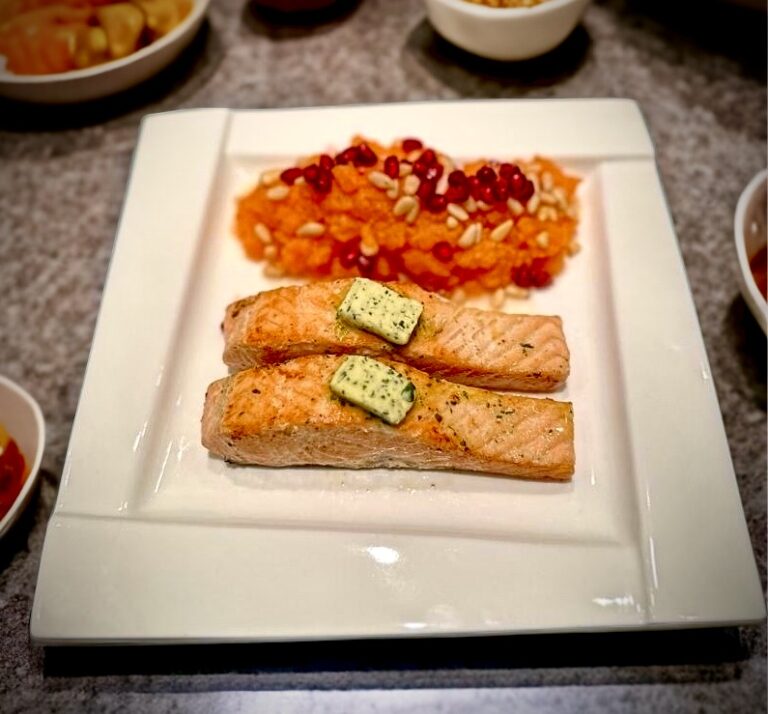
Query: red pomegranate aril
point(324, 181)
point(517, 185)
point(443, 251)
point(311, 173)
point(419, 168)
point(392, 167)
point(426, 190)
point(474, 187)
point(457, 194)
point(410, 145)
point(349, 254)
point(487, 194)
point(434, 172)
point(365, 156)
point(348, 156)
point(486, 175)
point(428, 157)
point(508, 170)
point(527, 191)
point(366, 264)
point(501, 190)
point(289, 176)
point(437, 203)
point(326, 162)
point(457, 178)
point(522, 276)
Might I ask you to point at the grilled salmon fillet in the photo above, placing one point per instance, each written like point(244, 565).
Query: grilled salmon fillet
point(286, 415)
point(465, 345)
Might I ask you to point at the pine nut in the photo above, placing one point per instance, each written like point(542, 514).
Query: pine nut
point(560, 196)
point(547, 181)
point(470, 205)
point(262, 233)
point(369, 248)
point(548, 198)
point(457, 212)
point(404, 205)
point(311, 228)
point(574, 247)
point(270, 178)
point(542, 239)
point(273, 271)
point(394, 192)
point(515, 207)
point(498, 298)
point(413, 156)
point(501, 231)
point(451, 222)
point(515, 291)
point(380, 180)
point(413, 214)
point(277, 193)
point(411, 184)
point(533, 204)
point(470, 236)
point(483, 206)
point(270, 252)
point(405, 169)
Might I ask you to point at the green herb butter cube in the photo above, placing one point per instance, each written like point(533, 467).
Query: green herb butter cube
point(376, 308)
point(375, 387)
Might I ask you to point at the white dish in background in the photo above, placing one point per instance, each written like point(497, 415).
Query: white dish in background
point(152, 540)
point(749, 230)
point(505, 33)
point(22, 418)
point(108, 78)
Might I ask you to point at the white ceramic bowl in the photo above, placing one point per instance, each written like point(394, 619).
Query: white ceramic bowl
point(93, 82)
point(505, 33)
point(749, 229)
point(22, 418)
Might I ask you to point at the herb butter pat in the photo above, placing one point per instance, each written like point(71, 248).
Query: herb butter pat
point(378, 309)
point(375, 387)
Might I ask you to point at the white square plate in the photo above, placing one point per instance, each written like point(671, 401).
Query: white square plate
point(154, 541)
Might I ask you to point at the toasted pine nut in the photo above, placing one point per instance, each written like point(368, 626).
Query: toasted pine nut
point(542, 239)
point(533, 204)
point(270, 178)
point(548, 198)
point(369, 248)
point(501, 231)
point(515, 207)
point(311, 228)
point(470, 236)
point(457, 212)
point(411, 184)
point(270, 252)
point(515, 291)
point(483, 206)
point(413, 214)
point(560, 196)
point(277, 193)
point(498, 298)
point(262, 233)
point(380, 180)
point(404, 205)
point(547, 181)
point(394, 192)
point(470, 205)
point(451, 222)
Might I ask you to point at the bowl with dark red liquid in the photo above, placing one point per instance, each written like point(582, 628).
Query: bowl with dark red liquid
point(750, 235)
point(22, 440)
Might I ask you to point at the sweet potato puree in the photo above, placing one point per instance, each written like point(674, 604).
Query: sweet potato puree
point(406, 212)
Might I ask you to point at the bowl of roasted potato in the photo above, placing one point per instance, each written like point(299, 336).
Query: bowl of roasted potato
point(64, 51)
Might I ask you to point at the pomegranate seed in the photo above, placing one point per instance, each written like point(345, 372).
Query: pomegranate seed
point(425, 191)
point(365, 156)
point(326, 162)
point(366, 264)
point(527, 191)
point(517, 185)
point(311, 173)
point(457, 194)
point(507, 170)
point(523, 276)
point(348, 156)
point(457, 178)
point(436, 203)
point(392, 167)
point(501, 190)
point(419, 168)
point(349, 255)
point(289, 176)
point(486, 175)
point(324, 182)
point(410, 145)
point(474, 187)
point(428, 157)
point(539, 274)
point(487, 194)
point(434, 172)
point(443, 251)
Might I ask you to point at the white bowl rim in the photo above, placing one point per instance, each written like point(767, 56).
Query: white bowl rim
point(740, 239)
point(34, 470)
point(198, 9)
point(487, 12)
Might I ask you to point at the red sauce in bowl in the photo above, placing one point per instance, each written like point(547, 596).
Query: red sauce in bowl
point(13, 472)
point(758, 263)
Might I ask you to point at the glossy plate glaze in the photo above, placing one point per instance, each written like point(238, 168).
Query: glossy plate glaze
point(154, 541)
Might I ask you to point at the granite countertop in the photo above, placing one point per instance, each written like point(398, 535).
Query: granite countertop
point(700, 81)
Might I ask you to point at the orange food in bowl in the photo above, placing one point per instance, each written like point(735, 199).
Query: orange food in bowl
point(406, 212)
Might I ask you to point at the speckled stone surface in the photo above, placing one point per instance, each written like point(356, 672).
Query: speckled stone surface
point(700, 80)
